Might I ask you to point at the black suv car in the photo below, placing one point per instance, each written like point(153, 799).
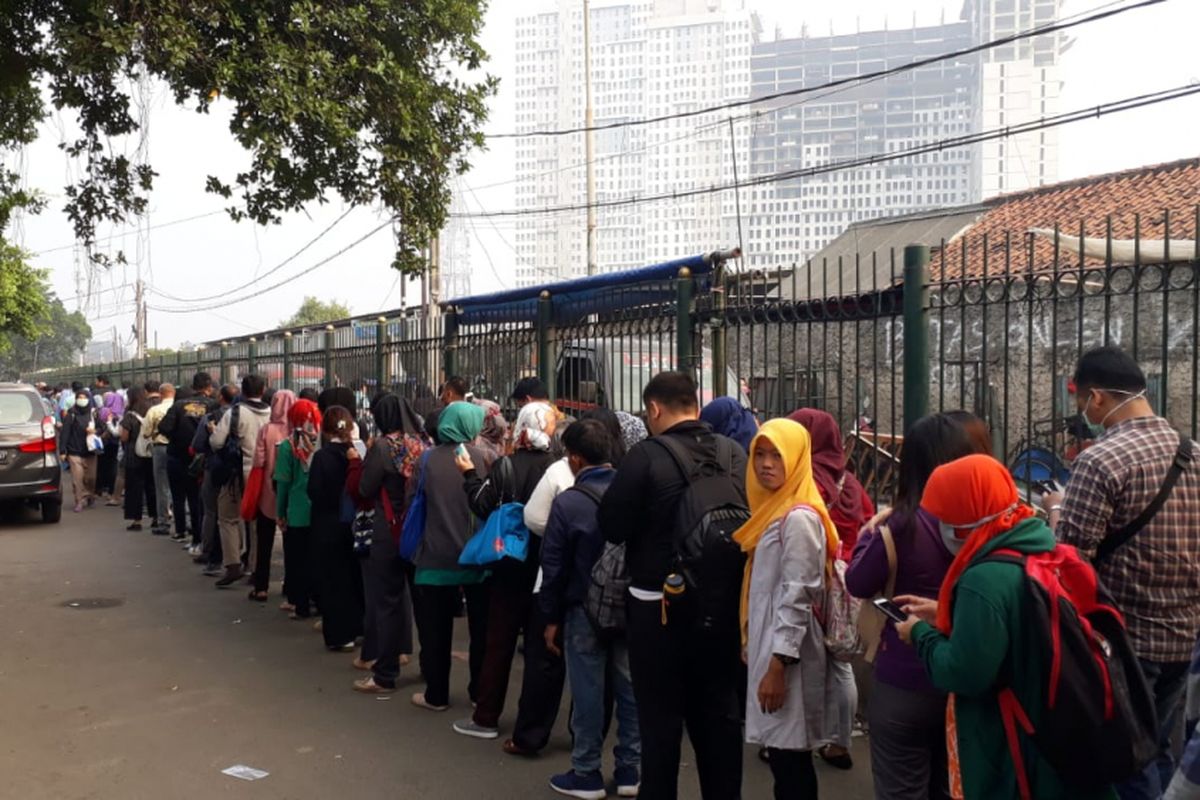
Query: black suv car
point(29, 465)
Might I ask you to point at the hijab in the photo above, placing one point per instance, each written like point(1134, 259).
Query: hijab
point(114, 408)
point(394, 414)
point(633, 430)
point(336, 396)
point(459, 423)
point(276, 430)
point(727, 417)
point(305, 419)
point(535, 427)
point(843, 494)
point(964, 493)
point(403, 431)
point(766, 506)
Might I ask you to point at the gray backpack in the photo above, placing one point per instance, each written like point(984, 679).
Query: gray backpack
point(605, 603)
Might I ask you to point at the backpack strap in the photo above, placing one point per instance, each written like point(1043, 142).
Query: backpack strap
point(591, 492)
point(1112, 542)
point(683, 459)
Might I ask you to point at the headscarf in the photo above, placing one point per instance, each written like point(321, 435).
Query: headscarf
point(337, 396)
point(633, 430)
point(766, 506)
point(459, 423)
point(535, 427)
point(114, 408)
point(276, 430)
point(394, 414)
point(305, 419)
point(727, 417)
point(843, 494)
point(403, 431)
point(969, 490)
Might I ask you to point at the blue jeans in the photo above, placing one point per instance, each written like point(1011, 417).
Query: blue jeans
point(1167, 681)
point(590, 662)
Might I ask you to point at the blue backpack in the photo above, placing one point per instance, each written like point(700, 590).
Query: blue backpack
point(412, 533)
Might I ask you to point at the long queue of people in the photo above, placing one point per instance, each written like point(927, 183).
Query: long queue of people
point(690, 569)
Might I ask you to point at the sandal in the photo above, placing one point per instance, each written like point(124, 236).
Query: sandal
point(286, 607)
point(259, 597)
point(840, 760)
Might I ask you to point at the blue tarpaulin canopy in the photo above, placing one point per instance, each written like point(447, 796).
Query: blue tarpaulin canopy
point(596, 294)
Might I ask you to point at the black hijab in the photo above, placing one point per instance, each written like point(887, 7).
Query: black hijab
point(393, 413)
point(337, 396)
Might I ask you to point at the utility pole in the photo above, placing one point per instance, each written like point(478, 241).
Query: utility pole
point(139, 316)
point(588, 140)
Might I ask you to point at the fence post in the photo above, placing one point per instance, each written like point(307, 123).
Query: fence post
point(287, 360)
point(179, 367)
point(224, 355)
point(545, 324)
point(450, 342)
point(380, 354)
point(252, 356)
point(684, 360)
point(916, 333)
point(720, 360)
point(329, 381)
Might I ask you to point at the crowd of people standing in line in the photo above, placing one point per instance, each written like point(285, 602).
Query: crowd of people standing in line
point(745, 661)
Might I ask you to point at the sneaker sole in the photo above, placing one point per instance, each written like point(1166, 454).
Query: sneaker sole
point(598, 794)
point(628, 791)
point(477, 734)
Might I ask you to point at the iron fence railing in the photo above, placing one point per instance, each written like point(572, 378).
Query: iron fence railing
point(989, 324)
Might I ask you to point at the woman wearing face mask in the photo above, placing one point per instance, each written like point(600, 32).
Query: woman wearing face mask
point(907, 714)
point(338, 574)
point(79, 424)
point(790, 541)
point(977, 635)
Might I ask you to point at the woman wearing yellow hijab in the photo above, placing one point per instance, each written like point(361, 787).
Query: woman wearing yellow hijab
point(790, 542)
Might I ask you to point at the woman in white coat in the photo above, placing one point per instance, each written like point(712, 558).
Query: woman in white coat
point(789, 540)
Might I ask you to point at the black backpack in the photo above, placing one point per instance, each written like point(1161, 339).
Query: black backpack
point(227, 461)
point(713, 506)
point(1098, 725)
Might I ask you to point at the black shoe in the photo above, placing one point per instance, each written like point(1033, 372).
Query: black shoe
point(180, 537)
point(232, 576)
point(133, 526)
point(213, 571)
point(839, 760)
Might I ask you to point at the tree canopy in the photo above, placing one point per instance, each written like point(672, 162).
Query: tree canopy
point(376, 101)
point(56, 337)
point(316, 312)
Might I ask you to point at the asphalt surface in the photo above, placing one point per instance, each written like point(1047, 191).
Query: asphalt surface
point(154, 682)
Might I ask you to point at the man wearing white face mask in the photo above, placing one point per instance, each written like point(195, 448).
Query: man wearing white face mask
point(1132, 505)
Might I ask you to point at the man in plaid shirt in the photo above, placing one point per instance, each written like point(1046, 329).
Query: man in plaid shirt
point(1155, 576)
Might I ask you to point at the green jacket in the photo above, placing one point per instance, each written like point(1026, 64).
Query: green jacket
point(291, 488)
point(992, 637)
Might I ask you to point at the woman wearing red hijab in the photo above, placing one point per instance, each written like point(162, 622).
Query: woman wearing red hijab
point(849, 508)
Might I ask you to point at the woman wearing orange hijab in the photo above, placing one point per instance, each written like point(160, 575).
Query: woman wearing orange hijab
point(982, 636)
point(790, 541)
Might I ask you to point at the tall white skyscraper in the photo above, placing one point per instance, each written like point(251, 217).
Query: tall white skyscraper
point(649, 59)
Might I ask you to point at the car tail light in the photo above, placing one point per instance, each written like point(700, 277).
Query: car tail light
point(44, 445)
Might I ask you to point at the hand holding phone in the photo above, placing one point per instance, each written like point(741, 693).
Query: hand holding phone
point(889, 609)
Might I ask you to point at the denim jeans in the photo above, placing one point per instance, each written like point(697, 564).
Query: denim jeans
point(1167, 681)
point(588, 666)
point(162, 484)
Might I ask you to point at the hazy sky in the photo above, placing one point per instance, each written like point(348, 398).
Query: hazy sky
point(1141, 51)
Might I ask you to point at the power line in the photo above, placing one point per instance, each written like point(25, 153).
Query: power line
point(951, 143)
point(1053, 27)
point(274, 286)
point(150, 228)
point(271, 271)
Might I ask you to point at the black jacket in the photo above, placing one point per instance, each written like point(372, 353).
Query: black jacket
point(72, 439)
point(639, 507)
point(486, 494)
point(571, 545)
point(327, 480)
point(180, 422)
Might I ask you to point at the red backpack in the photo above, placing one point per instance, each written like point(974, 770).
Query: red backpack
point(1098, 726)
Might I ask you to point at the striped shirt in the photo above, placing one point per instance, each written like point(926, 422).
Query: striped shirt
point(1155, 576)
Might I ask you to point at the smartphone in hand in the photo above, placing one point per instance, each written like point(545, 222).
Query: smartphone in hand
point(460, 451)
point(890, 609)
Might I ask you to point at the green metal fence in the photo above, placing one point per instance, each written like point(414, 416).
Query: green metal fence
point(990, 325)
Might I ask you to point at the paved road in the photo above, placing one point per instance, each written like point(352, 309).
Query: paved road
point(153, 697)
